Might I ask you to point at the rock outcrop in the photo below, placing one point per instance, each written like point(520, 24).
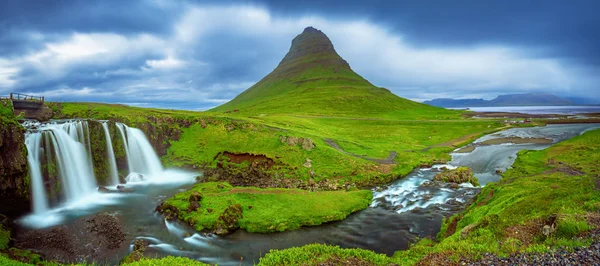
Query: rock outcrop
point(14, 183)
point(95, 238)
point(458, 176)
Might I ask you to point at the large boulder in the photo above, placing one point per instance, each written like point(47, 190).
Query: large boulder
point(459, 175)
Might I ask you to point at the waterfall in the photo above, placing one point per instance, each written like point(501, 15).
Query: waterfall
point(141, 157)
point(32, 142)
point(68, 145)
point(73, 157)
point(114, 175)
point(74, 167)
point(127, 156)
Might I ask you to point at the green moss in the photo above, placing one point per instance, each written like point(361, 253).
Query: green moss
point(170, 260)
point(459, 175)
point(557, 182)
point(4, 237)
point(266, 210)
point(315, 254)
point(8, 262)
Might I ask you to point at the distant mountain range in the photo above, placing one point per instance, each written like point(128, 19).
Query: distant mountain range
point(527, 99)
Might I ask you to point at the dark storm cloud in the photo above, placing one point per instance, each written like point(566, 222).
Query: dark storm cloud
point(198, 54)
point(565, 28)
point(86, 16)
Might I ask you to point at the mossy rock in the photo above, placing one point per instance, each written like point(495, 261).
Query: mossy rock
point(459, 175)
point(228, 220)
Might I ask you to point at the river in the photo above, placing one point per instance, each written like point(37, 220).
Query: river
point(401, 212)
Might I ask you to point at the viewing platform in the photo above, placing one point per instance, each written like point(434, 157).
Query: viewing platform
point(29, 106)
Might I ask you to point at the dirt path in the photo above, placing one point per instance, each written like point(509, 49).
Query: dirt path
point(388, 160)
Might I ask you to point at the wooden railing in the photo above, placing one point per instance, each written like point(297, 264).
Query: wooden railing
point(18, 96)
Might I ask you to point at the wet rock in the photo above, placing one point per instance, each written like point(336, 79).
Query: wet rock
point(170, 212)
point(124, 189)
point(122, 179)
point(139, 247)
point(498, 171)
point(103, 190)
point(95, 238)
point(228, 220)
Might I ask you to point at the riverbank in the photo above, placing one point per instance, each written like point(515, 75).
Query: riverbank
point(549, 199)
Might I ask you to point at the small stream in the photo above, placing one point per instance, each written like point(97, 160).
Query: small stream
point(401, 212)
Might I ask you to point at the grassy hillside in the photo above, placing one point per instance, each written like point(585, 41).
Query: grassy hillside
point(313, 79)
point(202, 136)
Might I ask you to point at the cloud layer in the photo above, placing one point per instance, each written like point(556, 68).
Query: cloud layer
point(198, 55)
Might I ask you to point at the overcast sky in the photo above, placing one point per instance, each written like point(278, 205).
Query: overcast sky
point(198, 54)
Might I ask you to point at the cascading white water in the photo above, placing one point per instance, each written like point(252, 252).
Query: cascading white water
point(75, 169)
point(62, 148)
point(121, 129)
point(112, 162)
point(74, 165)
point(32, 142)
point(141, 157)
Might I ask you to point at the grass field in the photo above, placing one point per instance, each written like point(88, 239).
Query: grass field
point(266, 210)
point(207, 134)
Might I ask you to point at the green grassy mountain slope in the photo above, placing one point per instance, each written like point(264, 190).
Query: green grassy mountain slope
point(312, 79)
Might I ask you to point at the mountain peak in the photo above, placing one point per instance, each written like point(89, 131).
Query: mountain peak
point(312, 45)
point(312, 79)
point(311, 29)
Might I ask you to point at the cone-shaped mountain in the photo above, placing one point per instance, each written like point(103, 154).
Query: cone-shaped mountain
point(312, 79)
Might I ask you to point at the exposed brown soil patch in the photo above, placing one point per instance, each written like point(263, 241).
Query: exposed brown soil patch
point(527, 232)
point(593, 219)
point(488, 198)
point(349, 261)
point(95, 238)
point(435, 259)
point(385, 168)
point(451, 229)
point(246, 157)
